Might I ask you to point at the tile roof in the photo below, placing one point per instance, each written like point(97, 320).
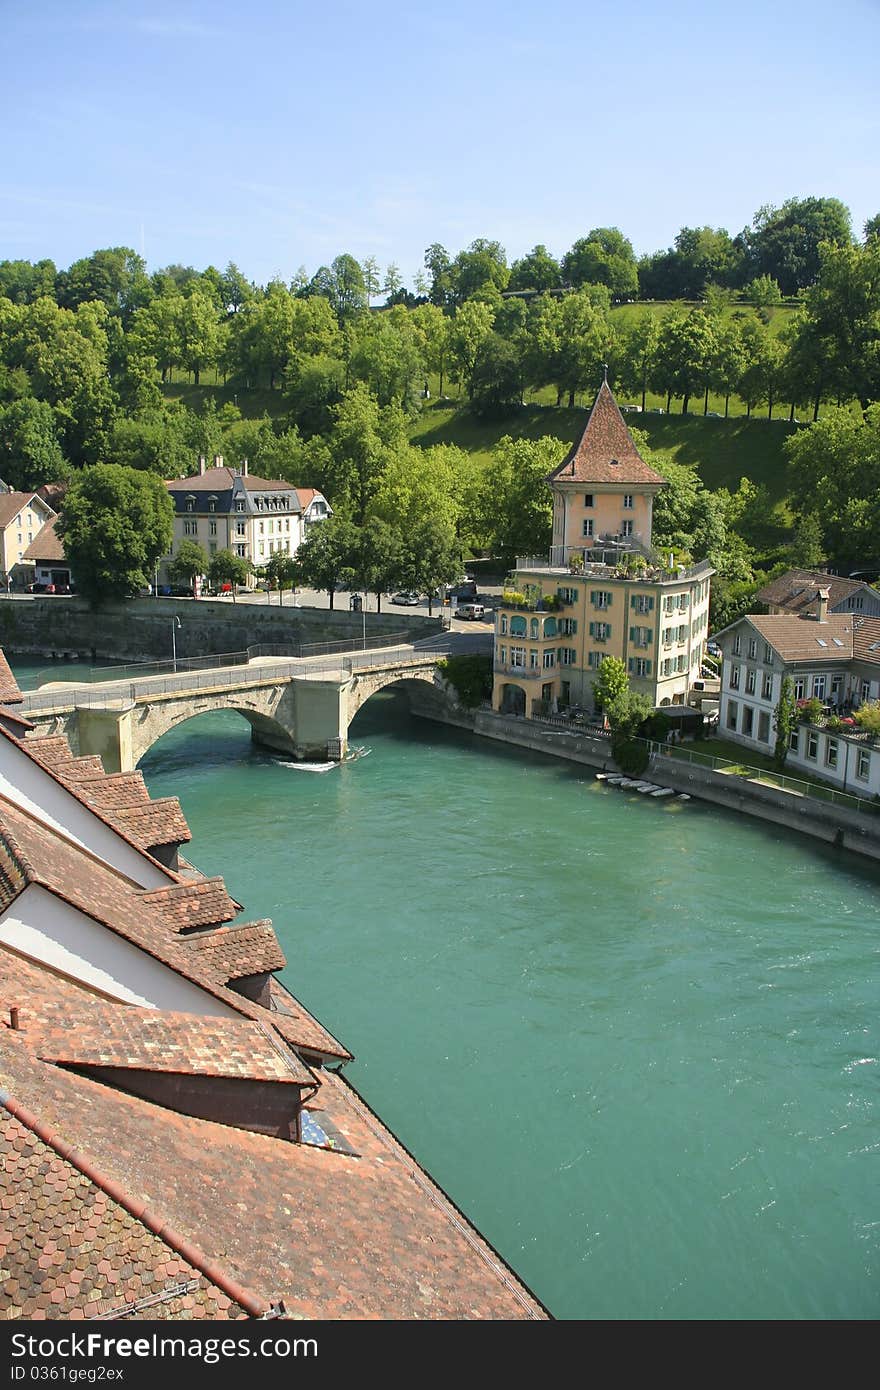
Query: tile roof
point(47, 544)
point(9, 691)
point(156, 1040)
point(866, 639)
point(184, 906)
point(796, 590)
point(121, 799)
point(68, 1250)
point(11, 504)
point(333, 1236)
point(605, 452)
point(223, 479)
point(14, 721)
point(294, 1022)
point(801, 639)
point(32, 852)
point(249, 948)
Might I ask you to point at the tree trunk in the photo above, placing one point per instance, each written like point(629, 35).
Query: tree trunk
point(196, 376)
point(378, 601)
point(816, 404)
point(770, 405)
point(441, 378)
point(791, 414)
point(571, 400)
point(726, 405)
point(558, 397)
point(668, 401)
point(332, 593)
point(706, 402)
point(748, 410)
point(685, 400)
point(644, 389)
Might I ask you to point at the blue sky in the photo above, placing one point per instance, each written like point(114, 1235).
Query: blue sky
point(279, 134)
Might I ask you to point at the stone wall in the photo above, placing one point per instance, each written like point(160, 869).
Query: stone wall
point(141, 629)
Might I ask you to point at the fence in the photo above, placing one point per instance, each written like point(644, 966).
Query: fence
point(733, 768)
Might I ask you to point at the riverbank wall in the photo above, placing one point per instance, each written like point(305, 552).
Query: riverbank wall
point(836, 825)
point(141, 629)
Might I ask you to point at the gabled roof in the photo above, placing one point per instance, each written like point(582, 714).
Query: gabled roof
point(11, 504)
point(9, 691)
point(224, 479)
point(250, 948)
point(47, 544)
point(605, 452)
point(866, 640)
point(186, 906)
point(803, 639)
point(797, 589)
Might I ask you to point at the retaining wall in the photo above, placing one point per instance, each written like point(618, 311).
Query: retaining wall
point(140, 630)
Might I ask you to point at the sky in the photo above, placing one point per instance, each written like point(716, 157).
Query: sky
point(278, 134)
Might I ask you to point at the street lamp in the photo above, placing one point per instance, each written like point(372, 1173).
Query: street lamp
point(175, 624)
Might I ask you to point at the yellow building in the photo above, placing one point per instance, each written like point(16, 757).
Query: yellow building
point(22, 516)
point(603, 591)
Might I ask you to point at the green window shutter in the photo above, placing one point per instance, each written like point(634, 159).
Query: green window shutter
point(593, 597)
point(651, 605)
point(632, 602)
point(592, 629)
point(631, 665)
point(632, 635)
point(647, 668)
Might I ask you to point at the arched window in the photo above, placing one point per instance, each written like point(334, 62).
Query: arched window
point(518, 627)
point(549, 627)
point(534, 631)
point(503, 622)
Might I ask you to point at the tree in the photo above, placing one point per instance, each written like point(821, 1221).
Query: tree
point(538, 271)
point(784, 242)
point(431, 557)
point(517, 510)
point(603, 257)
point(683, 359)
point(189, 564)
point(115, 523)
point(868, 717)
point(380, 562)
point(432, 332)
point(370, 272)
point(281, 569)
point(226, 568)
point(158, 442)
point(443, 278)
point(637, 349)
point(806, 551)
point(834, 472)
point(785, 720)
point(199, 332)
point(763, 292)
point(471, 325)
point(30, 454)
point(612, 683)
point(328, 553)
point(496, 384)
point(393, 282)
point(843, 317)
point(484, 263)
point(235, 290)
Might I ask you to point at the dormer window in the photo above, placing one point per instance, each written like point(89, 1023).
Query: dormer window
point(190, 504)
point(212, 504)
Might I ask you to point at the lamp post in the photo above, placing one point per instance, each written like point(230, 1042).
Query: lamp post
point(175, 624)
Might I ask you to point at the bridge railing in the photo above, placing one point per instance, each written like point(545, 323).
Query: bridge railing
point(120, 694)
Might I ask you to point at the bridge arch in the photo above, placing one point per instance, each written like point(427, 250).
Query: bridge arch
point(368, 683)
point(150, 722)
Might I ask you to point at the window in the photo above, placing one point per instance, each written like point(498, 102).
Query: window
point(518, 626)
point(549, 627)
point(567, 595)
point(212, 505)
point(831, 753)
point(794, 740)
point(763, 726)
point(748, 720)
point(682, 632)
point(239, 528)
point(588, 499)
point(212, 547)
point(753, 647)
point(190, 503)
point(669, 603)
point(750, 681)
point(568, 627)
point(737, 645)
point(641, 636)
point(863, 767)
point(262, 527)
point(601, 631)
point(642, 603)
point(733, 682)
point(836, 683)
point(767, 686)
point(567, 656)
point(241, 550)
point(639, 666)
point(666, 667)
point(213, 528)
point(504, 622)
point(681, 663)
point(819, 687)
point(595, 659)
point(768, 654)
point(799, 688)
point(518, 657)
point(626, 528)
point(600, 598)
point(239, 506)
point(533, 628)
point(855, 602)
point(628, 501)
point(866, 690)
point(732, 714)
point(549, 660)
point(588, 527)
point(502, 654)
point(812, 744)
point(533, 661)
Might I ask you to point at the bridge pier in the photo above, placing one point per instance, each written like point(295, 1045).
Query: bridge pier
point(107, 732)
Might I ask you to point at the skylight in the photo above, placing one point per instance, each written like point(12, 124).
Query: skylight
point(837, 642)
point(821, 641)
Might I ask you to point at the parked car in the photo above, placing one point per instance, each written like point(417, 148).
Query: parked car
point(463, 590)
point(405, 598)
point(470, 610)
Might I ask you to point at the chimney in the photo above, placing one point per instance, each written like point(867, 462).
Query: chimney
point(218, 460)
point(202, 465)
point(14, 1020)
point(244, 467)
point(822, 597)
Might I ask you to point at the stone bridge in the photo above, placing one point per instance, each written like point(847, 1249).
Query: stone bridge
point(302, 708)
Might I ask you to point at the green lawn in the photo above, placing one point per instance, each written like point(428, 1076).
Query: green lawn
point(745, 761)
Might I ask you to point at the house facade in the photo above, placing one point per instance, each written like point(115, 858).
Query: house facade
point(603, 591)
point(223, 508)
point(44, 561)
point(830, 657)
point(22, 517)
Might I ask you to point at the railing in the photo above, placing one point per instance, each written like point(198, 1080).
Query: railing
point(124, 694)
point(735, 768)
point(522, 673)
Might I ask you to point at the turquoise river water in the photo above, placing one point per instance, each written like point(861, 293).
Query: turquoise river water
point(637, 1042)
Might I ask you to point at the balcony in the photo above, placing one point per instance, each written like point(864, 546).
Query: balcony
point(523, 673)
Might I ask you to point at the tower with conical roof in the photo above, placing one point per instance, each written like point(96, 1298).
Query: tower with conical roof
point(603, 491)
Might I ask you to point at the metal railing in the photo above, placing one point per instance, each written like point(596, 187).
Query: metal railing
point(732, 767)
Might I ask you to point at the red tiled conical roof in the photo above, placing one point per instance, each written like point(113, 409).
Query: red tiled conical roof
point(605, 452)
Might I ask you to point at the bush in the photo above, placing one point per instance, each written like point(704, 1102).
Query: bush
point(868, 717)
point(631, 755)
point(810, 711)
point(470, 677)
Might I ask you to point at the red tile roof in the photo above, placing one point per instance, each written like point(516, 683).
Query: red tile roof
point(294, 1022)
point(9, 691)
point(223, 479)
point(185, 906)
point(250, 948)
point(605, 452)
point(866, 639)
point(46, 545)
point(68, 1250)
point(797, 590)
point(803, 639)
point(334, 1236)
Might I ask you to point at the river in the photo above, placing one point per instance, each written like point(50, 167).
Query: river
point(637, 1042)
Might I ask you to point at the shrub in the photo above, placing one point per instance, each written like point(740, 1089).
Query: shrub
point(868, 717)
point(810, 711)
point(470, 677)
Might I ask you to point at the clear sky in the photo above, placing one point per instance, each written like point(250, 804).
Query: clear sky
point(279, 133)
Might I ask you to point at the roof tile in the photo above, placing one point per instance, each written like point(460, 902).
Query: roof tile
point(605, 452)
